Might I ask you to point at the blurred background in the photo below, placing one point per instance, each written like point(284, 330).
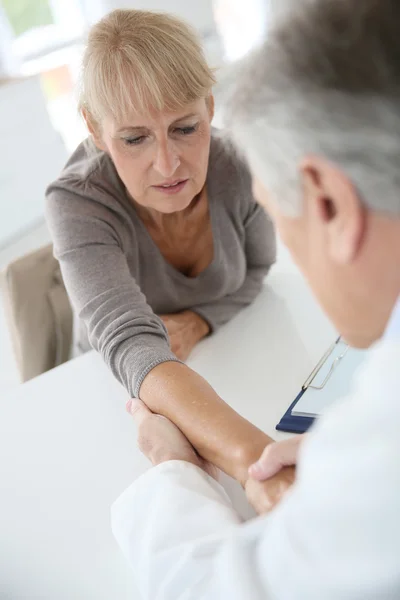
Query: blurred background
point(41, 44)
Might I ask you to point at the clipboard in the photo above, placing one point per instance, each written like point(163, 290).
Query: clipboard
point(316, 395)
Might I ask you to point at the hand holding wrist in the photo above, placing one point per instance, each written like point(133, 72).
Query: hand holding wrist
point(248, 451)
point(265, 495)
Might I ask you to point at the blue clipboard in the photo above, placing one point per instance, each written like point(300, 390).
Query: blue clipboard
point(294, 424)
point(298, 423)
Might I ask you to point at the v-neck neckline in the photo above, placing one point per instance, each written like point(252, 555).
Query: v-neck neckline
point(214, 228)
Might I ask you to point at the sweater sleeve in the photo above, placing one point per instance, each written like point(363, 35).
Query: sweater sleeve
point(88, 242)
point(260, 251)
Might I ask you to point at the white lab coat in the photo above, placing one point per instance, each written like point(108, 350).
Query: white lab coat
point(336, 535)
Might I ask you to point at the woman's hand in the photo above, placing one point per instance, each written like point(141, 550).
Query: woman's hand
point(185, 330)
point(161, 441)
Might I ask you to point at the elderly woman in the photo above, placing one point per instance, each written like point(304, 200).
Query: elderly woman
point(155, 226)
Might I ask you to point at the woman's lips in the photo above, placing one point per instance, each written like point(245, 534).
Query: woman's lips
point(173, 188)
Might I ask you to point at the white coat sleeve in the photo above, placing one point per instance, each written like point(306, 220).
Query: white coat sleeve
point(172, 525)
point(335, 535)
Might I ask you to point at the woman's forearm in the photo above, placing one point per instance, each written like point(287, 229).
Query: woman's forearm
point(218, 433)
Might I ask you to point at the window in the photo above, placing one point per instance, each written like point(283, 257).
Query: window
point(39, 27)
point(241, 24)
point(24, 15)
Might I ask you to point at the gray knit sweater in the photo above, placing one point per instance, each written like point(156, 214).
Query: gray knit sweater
point(116, 277)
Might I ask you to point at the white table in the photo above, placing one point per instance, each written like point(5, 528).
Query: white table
point(67, 447)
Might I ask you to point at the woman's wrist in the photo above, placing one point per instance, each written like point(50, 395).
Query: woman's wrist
point(219, 434)
point(248, 452)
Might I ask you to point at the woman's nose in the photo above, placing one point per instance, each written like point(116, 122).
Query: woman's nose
point(166, 160)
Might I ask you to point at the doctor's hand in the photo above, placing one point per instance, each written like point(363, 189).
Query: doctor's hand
point(276, 457)
point(161, 441)
point(273, 474)
point(265, 495)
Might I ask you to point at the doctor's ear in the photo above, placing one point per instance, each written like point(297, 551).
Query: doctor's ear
point(332, 201)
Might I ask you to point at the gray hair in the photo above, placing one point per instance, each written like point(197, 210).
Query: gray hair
point(326, 82)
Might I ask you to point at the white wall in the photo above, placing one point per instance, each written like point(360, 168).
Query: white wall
point(8, 63)
point(197, 12)
point(31, 156)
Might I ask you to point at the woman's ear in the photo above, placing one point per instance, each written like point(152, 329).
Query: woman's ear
point(210, 106)
point(93, 129)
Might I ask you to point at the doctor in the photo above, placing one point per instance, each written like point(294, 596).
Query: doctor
point(322, 135)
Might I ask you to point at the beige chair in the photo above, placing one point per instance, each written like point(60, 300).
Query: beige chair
point(38, 312)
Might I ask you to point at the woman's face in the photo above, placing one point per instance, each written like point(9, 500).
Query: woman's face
point(162, 158)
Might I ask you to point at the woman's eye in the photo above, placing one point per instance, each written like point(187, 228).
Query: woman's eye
point(186, 130)
point(134, 141)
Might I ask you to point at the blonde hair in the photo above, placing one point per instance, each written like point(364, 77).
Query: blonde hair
point(139, 60)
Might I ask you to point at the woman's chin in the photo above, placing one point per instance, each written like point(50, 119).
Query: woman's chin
point(173, 204)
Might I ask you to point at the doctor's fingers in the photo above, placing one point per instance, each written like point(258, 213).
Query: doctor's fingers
point(138, 410)
point(275, 457)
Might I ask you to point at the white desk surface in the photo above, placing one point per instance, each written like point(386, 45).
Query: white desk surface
point(67, 447)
